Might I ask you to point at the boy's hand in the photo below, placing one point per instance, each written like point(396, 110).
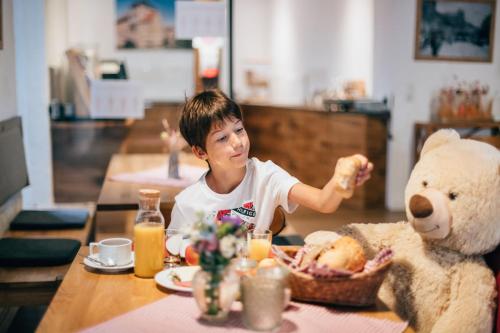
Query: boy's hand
point(365, 170)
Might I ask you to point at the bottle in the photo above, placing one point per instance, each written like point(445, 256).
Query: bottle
point(149, 235)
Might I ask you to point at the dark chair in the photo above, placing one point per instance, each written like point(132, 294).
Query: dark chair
point(279, 221)
point(493, 261)
point(277, 226)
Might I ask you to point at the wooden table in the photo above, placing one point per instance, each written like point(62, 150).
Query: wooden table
point(125, 196)
point(87, 298)
point(37, 285)
point(84, 145)
point(118, 201)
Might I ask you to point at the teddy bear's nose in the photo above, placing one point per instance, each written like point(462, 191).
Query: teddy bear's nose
point(420, 206)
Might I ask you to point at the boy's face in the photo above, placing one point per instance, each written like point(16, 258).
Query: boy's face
point(227, 145)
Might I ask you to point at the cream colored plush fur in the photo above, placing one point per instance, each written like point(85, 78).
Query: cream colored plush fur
point(439, 281)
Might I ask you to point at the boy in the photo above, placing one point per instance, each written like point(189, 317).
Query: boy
point(212, 124)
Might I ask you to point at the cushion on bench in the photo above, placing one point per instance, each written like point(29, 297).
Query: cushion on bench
point(50, 219)
point(29, 252)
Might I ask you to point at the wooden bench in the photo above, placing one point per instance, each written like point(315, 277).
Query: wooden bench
point(37, 285)
point(28, 285)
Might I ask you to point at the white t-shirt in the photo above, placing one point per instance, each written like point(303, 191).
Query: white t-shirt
point(264, 187)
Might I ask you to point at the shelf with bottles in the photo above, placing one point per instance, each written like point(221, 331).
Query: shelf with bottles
point(483, 130)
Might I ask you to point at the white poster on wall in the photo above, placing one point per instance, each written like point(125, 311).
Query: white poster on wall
point(200, 19)
point(116, 99)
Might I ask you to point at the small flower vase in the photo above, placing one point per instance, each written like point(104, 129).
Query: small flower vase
point(173, 165)
point(214, 291)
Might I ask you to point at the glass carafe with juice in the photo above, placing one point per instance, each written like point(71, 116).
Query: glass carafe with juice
point(149, 235)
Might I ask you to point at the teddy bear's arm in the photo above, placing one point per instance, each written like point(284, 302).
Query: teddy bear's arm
point(375, 236)
point(471, 304)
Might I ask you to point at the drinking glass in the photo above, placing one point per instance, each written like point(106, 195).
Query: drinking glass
point(173, 245)
point(259, 244)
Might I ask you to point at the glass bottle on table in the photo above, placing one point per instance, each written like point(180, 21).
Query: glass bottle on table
point(149, 235)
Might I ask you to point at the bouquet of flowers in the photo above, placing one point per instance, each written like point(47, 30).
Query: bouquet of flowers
point(219, 242)
point(214, 286)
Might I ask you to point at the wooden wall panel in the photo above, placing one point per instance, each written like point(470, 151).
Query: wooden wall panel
point(307, 143)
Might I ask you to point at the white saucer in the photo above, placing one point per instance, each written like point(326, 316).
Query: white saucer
point(185, 273)
point(95, 265)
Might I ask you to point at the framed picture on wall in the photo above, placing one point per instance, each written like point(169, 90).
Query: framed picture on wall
point(455, 30)
point(147, 25)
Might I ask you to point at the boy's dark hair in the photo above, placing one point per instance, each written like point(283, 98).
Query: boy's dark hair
point(203, 110)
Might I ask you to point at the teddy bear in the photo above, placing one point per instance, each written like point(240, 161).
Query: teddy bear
point(439, 281)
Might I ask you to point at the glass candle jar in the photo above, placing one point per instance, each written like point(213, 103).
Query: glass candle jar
point(263, 302)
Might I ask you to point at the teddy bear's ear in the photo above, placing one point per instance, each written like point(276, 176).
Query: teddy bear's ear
point(439, 138)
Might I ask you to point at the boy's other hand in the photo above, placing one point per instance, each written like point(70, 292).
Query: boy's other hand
point(365, 170)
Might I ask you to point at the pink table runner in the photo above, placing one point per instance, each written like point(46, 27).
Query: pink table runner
point(179, 313)
point(158, 176)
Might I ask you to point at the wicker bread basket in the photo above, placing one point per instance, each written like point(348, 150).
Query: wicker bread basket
point(359, 289)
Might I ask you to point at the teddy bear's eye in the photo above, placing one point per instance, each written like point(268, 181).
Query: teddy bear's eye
point(424, 183)
point(452, 195)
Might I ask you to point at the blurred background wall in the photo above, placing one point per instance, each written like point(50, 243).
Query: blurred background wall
point(296, 46)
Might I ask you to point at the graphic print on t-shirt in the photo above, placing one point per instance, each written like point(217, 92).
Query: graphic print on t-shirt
point(246, 212)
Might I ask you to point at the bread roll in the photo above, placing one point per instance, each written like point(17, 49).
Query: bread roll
point(345, 175)
point(267, 262)
point(321, 237)
point(346, 253)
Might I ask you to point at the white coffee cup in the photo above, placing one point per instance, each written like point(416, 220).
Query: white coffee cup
point(114, 251)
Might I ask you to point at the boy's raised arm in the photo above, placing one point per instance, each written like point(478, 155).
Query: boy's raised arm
point(327, 199)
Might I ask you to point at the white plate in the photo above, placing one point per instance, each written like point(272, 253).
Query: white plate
point(95, 265)
point(185, 273)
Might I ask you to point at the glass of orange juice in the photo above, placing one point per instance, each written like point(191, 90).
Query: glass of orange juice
point(259, 244)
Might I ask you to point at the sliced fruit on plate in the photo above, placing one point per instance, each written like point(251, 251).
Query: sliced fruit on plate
point(185, 284)
point(178, 282)
point(192, 257)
